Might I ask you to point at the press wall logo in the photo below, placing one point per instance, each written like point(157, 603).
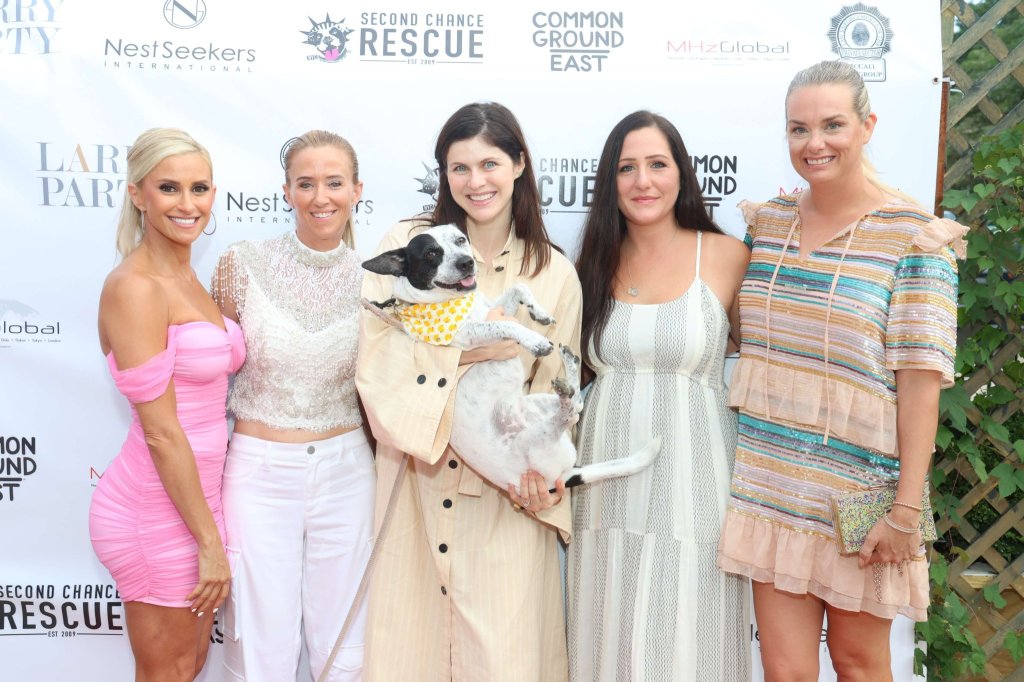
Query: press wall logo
point(427, 39)
point(729, 50)
point(151, 53)
point(429, 185)
point(329, 38)
point(578, 41)
point(17, 462)
point(29, 26)
point(184, 13)
point(81, 174)
point(22, 325)
point(862, 36)
point(566, 184)
point(60, 611)
point(717, 176)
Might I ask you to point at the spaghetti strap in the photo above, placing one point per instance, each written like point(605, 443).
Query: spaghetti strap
point(696, 274)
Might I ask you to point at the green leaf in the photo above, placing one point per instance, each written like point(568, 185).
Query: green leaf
point(938, 572)
point(1007, 478)
point(1014, 643)
point(984, 190)
point(979, 467)
point(943, 437)
point(1007, 164)
point(995, 429)
point(993, 596)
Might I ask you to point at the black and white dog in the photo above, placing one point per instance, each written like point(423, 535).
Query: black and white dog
point(497, 430)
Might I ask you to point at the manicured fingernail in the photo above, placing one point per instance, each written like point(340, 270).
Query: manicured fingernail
point(216, 609)
point(200, 614)
point(193, 610)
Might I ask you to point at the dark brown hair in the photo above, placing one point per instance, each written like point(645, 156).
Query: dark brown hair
point(497, 126)
point(601, 240)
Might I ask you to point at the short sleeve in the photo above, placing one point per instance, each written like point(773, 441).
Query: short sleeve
point(750, 209)
point(149, 380)
point(921, 330)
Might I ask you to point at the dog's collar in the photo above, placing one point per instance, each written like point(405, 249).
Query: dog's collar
point(435, 323)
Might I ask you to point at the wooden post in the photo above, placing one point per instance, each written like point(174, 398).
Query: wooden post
point(940, 166)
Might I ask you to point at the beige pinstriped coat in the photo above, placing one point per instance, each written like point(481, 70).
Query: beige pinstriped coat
point(465, 587)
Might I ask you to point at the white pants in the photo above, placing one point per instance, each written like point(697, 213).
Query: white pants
point(299, 521)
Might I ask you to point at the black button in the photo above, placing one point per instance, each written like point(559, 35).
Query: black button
point(453, 464)
point(442, 548)
point(499, 268)
point(447, 504)
point(443, 590)
point(421, 379)
point(503, 253)
point(442, 382)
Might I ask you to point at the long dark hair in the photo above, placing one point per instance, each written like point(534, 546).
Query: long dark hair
point(498, 127)
point(601, 241)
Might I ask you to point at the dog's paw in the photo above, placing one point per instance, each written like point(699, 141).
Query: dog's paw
point(568, 357)
point(539, 316)
point(562, 388)
point(540, 348)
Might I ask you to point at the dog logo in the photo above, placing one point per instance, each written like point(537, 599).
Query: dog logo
point(429, 182)
point(184, 13)
point(330, 38)
point(862, 35)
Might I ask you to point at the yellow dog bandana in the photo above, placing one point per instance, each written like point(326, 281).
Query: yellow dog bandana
point(436, 323)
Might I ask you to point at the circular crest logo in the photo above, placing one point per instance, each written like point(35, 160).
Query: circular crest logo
point(184, 13)
point(284, 151)
point(329, 38)
point(860, 32)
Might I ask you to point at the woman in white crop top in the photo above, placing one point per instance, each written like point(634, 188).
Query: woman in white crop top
point(299, 479)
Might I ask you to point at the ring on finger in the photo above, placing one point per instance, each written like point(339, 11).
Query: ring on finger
point(526, 503)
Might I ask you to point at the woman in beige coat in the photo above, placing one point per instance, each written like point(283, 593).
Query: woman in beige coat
point(467, 584)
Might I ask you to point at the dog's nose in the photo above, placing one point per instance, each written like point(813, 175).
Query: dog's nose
point(464, 264)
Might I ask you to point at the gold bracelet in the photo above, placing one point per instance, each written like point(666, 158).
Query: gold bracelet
point(895, 526)
point(908, 506)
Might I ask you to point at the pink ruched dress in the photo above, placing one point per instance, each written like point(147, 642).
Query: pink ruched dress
point(136, 530)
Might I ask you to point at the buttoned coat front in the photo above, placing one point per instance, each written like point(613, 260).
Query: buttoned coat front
point(466, 587)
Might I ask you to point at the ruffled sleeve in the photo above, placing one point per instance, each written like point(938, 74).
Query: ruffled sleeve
point(149, 380)
point(750, 209)
point(942, 232)
point(921, 330)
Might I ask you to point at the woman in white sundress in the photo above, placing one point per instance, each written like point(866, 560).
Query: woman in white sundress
point(646, 600)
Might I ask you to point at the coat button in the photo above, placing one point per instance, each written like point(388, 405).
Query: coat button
point(499, 268)
point(443, 590)
point(311, 449)
point(447, 504)
point(442, 382)
point(442, 548)
point(421, 379)
point(453, 464)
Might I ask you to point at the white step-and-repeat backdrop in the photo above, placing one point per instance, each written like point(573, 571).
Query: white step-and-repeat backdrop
point(79, 79)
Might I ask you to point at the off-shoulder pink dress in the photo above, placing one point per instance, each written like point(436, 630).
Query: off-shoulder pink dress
point(136, 530)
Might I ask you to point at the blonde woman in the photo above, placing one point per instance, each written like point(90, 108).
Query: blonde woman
point(155, 519)
point(299, 480)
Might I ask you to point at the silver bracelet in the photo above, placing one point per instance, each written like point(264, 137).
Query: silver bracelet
point(895, 526)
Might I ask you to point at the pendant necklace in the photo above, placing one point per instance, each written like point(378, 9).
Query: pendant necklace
point(632, 290)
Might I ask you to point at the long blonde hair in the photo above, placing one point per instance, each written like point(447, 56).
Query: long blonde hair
point(148, 150)
point(324, 138)
point(838, 72)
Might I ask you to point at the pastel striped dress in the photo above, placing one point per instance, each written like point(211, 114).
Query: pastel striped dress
point(821, 339)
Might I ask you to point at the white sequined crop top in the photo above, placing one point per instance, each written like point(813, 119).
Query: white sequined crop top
point(299, 313)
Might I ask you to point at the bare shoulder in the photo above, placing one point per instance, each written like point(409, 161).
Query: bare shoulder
point(133, 306)
point(726, 250)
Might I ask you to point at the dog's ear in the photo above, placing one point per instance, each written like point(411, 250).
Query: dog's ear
point(392, 263)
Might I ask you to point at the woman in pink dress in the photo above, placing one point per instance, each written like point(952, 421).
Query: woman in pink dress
point(156, 519)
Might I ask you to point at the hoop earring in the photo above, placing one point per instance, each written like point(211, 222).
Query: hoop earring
point(214, 216)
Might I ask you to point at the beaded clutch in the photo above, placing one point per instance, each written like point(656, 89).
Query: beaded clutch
point(856, 513)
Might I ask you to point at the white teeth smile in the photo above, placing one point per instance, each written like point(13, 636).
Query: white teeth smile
point(820, 162)
point(184, 222)
point(328, 214)
point(482, 197)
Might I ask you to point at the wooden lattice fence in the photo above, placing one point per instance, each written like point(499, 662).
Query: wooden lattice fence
point(987, 77)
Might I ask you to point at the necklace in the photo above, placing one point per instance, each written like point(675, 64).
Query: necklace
point(632, 290)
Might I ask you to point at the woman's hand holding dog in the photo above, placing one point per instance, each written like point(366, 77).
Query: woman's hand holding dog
point(534, 495)
point(500, 350)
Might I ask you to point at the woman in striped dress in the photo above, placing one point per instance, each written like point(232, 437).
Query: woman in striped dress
point(848, 318)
